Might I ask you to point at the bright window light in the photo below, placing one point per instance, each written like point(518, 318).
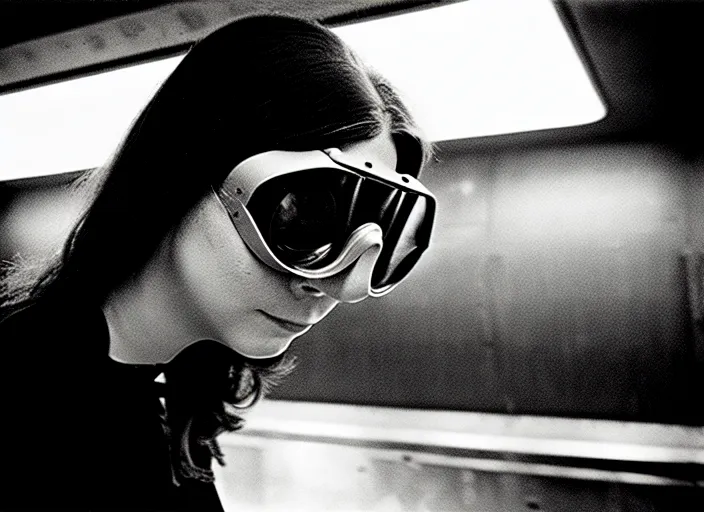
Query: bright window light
point(474, 68)
point(482, 67)
point(76, 124)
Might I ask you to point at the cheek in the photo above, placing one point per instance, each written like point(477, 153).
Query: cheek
point(222, 277)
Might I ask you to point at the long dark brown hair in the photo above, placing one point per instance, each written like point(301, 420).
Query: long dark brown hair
point(260, 83)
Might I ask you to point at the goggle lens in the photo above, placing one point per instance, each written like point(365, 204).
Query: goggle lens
point(299, 216)
point(302, 226)
point(399, 257)
point(307, 216)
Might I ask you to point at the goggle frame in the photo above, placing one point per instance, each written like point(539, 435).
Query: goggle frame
point(243, 181)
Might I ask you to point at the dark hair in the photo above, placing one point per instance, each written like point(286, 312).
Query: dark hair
point(260, 83)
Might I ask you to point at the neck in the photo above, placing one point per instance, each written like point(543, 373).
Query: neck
point(149, 318)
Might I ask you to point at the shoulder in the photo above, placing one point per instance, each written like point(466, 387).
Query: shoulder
point(48, 392)
point(49, 350)
point(52, 330)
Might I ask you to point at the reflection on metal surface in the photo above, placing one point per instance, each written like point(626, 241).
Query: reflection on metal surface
point(418, 460)
point(530, 435)
point(330, 457)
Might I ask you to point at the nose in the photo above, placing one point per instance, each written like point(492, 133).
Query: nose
point(350, 285)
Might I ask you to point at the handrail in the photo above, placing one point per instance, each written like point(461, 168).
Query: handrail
point(643, 453)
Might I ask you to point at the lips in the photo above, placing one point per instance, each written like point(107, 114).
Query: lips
point(294, 327)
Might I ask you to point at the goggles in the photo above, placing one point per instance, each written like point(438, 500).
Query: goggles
point(315, 213)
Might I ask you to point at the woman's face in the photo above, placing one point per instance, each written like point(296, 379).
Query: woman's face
point(242, 302)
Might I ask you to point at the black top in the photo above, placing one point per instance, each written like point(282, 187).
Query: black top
point(77, 429)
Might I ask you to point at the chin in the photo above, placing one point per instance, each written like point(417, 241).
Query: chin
point(265, 349)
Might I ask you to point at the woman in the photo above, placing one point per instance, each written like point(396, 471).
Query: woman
point(184, 264)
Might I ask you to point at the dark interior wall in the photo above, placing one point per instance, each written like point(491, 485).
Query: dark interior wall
point(556, 285)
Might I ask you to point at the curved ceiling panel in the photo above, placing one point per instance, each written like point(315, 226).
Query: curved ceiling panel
point(116, 39)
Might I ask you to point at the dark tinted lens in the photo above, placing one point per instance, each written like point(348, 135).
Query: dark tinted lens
point(376, 202)
point(306, 218)
point(302, 215)
point(403, 242)
point(303, 225)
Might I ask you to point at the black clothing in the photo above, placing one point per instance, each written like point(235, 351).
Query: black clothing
point(79, 430)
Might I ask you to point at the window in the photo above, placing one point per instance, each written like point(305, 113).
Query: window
point(473, 68)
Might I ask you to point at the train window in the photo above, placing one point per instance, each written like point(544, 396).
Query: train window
point(468, 69)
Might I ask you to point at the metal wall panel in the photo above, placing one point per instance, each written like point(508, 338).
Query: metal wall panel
point(556, 286)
